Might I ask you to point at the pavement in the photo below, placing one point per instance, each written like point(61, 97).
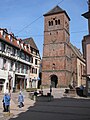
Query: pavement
point(14, 109)
point(63, 106)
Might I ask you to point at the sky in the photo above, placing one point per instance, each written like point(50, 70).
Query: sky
point(25, 18)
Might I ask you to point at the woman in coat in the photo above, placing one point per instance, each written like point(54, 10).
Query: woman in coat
point(6, 101)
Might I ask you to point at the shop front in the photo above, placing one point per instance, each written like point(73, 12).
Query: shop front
point(20, 82)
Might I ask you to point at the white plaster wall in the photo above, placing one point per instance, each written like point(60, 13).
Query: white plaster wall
point(4, 75)
point(88, 58)
point(79, 80)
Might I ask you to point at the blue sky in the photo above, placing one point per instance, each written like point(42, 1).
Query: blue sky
point(25, 18)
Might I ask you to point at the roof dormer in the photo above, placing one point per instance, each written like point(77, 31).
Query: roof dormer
point(1, 32)
point(25, 46)
point(28, 46)
point(22, 44)
point(18, 42)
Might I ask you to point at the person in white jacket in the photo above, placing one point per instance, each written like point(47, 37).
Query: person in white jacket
point(21, 100)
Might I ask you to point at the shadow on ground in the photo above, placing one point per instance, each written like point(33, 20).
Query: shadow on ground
point(58, 109)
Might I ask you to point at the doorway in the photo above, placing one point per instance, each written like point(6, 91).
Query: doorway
point(54, 81)
point(20, 82)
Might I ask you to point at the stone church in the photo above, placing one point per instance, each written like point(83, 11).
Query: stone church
point(60, 57)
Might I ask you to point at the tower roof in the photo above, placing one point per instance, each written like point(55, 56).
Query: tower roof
point(56, 10)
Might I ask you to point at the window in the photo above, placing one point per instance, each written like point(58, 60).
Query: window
point(23, 55)
point(32, 70)
point(13, 51)
point(53, 66)
point(16, 66)
point(35, 61)
point(27, 58)
point(4, 34)
point(19, 67)
point(22, 68)
point(50, 23)
point(4, 64)
point(18, 53)
point(31, 59)
point(26, 69)
point(8, 49)
point(58, 22)
point(36, 52)
point(3, 47)
point(11, 39)
point(36, 71)
point(55, 22)
point(31, 50)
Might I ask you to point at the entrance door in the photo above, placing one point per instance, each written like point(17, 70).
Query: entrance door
point(54, 81)
point(19, 83)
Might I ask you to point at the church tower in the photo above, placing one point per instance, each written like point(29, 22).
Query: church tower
point(56, 62)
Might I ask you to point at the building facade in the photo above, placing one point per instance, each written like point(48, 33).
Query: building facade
point(58, 69)
point(86, 49)
point(18, 63)
point(78, 67)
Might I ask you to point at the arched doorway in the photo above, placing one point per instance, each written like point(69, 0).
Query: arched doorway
point(54, 81)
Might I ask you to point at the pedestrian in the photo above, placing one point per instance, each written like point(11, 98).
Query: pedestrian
point(50, 89)
point(20, 100)
point(6, 102)
point(81, 87)
point(4, 108)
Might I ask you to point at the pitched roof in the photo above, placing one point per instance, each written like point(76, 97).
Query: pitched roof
point(31, 42)
point(56, 10)
point(77, 52)
point(86, 15)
